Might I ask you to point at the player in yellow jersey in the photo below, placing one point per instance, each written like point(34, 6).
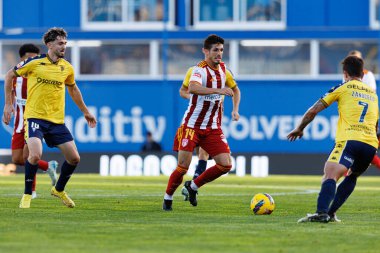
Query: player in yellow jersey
point(355, 143)
point(48, 76)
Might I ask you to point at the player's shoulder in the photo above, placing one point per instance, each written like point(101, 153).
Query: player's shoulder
point(202, 64)
point(31, 60)
point(339, 86)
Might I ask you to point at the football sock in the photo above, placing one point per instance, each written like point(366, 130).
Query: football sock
point(343, 192)
point(168, 197)
point(43, 165)
point(34, 183)
point(30, 172)
point(211, 174)
point(194, 186)
point(201, 167)
point(66, 172)
point(326, 195)
point(376, 161)
point(175, 180)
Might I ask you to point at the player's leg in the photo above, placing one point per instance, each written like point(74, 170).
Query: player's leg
point(347, 186)
point(49, 167)
point(31, 166)
point(72, 158)
point(184, 160)
point(376, 161)
point(202, 163)
point(25, 154)
point(200, 168)
point(340, 159)
point(59, 136)
point(332, 172)
point(216, 145)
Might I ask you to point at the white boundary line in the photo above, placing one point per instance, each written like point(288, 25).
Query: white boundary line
point(178, 194)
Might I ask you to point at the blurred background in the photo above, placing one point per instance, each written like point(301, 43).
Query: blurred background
point(130, 57)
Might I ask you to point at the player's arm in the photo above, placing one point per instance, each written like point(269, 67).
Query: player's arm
point(235, 104)
point(230, 82)
point(76, 95)
point(8, 106)
point(184, 92)
point(306, 119)
point(197, 89)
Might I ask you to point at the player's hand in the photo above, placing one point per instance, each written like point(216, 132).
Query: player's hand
point(226, 91)
point(235, 115)
point(91, 120)
point(293, 135)
point(7, 113)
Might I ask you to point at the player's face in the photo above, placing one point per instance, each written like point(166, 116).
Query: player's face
point(215, 54)
point(58, 46)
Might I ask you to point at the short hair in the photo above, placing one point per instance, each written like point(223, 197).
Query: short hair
point(353, 65)
point(53, 33)
point(28, 48)
point(211, 40)
point(356, 53)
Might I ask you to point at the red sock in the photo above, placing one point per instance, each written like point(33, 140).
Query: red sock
point(211, 174)
point(34, 183)
point(43, 165)
point(175, 180)
point(376, 161)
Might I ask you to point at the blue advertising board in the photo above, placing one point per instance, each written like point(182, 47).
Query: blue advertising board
point(127, 109)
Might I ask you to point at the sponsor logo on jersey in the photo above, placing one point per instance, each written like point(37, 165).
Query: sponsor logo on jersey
point(20, 101)
point(197, 74)
point(47, 81)
point(213, 97)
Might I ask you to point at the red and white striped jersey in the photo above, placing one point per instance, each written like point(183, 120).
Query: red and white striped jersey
point(205, 111)
point(20, 94)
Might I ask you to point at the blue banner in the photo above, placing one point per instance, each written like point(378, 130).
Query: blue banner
point(127, 109)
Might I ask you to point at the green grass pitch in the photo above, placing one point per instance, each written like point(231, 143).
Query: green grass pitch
point(123, 214)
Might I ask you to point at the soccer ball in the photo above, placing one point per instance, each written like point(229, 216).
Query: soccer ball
point(262, 203)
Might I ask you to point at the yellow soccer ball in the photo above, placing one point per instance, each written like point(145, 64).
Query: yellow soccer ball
point(262, 203)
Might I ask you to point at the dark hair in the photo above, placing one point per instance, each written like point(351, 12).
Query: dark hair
point(353, 66)
point(211, 40)
point(28, 48)
point(53, 33)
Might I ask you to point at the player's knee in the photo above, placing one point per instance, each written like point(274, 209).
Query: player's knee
point(224, 168)
point(34, 158)
point(181, 169)
point(74, 160)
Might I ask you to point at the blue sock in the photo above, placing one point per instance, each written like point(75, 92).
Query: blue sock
point(66, 172)
point(326, 195)
point(201, 167)
point(343, 192)
point(30, 172)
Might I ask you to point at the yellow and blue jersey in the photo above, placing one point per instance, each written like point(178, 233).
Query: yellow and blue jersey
point(46, 87)
point(358, 111)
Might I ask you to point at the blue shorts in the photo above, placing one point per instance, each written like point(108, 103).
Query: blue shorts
point(54, 134)
point(354, 155)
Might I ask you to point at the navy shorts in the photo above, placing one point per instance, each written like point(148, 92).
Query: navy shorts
point(54, 134)
point(354, 155)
